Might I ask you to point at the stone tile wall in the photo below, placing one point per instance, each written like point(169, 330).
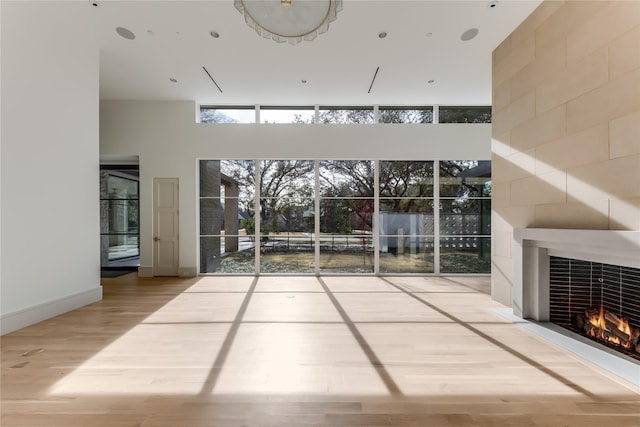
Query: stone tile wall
point(566, 125)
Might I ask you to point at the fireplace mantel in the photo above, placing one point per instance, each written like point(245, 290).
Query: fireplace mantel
point(533, 246)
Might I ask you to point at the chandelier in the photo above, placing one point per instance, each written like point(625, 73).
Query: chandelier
point(289, 21)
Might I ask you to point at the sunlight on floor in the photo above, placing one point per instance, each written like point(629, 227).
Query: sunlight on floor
point(333, 336)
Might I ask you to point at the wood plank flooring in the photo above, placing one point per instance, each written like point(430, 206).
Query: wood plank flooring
point(299, 351)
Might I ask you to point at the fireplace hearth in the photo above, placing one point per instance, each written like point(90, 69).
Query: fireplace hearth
point(533, 250)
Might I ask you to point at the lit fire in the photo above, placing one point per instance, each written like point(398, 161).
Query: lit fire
point(623, 325)
point(599, 321)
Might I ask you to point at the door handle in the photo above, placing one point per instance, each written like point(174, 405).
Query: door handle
point(156, 239)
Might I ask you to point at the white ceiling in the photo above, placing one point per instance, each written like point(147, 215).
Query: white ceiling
point(173, 41)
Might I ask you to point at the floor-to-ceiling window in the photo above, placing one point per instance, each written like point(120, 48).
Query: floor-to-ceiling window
point(227, 210)
point(406, 221)
point(287, 200)
point(465, 216)
point(345, 216)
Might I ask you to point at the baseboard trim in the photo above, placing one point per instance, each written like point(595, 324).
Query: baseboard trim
point(187, 271)
point(145, 271)
point(22, 318)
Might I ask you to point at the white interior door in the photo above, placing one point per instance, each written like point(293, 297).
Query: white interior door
point(165, 226)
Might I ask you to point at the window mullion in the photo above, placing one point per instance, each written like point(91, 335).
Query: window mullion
point(376, 217)
point(436, 216)
point(256, 216)
point(316, 223)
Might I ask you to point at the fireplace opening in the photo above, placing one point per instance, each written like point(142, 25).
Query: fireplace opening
point(598, 301)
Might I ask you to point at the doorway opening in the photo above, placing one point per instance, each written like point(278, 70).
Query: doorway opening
point(119, 219)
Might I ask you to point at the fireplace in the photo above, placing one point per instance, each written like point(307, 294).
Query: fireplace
point(575, 278)
point(597, 300)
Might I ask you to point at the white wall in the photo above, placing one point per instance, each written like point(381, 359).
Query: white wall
point(169, 142)
point(50, 200)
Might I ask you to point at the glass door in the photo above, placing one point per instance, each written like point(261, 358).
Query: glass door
point(119, 217)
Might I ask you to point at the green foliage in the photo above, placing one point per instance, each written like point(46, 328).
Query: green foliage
point(249, 225)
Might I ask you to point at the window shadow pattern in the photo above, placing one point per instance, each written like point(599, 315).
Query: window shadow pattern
point(354, 328)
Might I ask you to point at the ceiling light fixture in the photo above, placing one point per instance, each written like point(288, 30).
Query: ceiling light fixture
point(382, 34)
point(214, 34)
point(289, 21)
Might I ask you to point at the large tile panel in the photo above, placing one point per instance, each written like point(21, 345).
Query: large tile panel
point(584, 215)
point(519, 111)
point(624, 53)
point(537, 17)
point(586, 147)
point(624, 135)
point(545, 67)
point(624, 213)
point(575, 80)
point(541, 129)
point(617, 98)
point(515, 61)
point(604, 180)
point(567, 19)
point(620, 16)
point(514, 166)
point(535, 190)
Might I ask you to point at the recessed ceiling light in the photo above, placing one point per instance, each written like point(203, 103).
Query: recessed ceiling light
point(127, 34)
point(493, 4)
point(469, 34)
point(173, 80)
point(214, 34)
point(382, 34)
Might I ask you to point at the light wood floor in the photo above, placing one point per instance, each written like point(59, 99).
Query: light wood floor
point(299, 351)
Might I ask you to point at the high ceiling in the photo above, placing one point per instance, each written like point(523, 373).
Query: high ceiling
point(423, 43)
